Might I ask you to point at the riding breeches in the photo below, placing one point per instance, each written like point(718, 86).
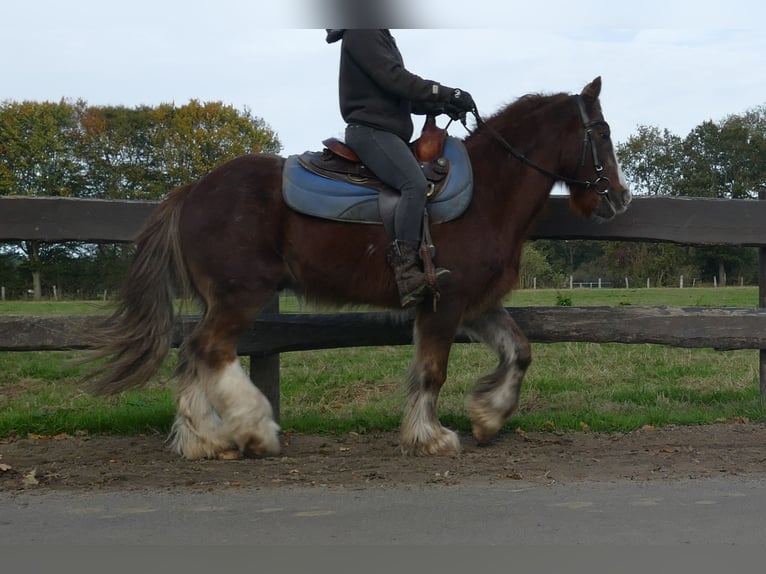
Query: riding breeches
point(391, 160)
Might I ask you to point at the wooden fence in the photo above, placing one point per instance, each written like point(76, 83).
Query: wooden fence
point(689, 221)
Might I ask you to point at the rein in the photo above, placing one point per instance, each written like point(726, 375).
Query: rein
point(601, 184)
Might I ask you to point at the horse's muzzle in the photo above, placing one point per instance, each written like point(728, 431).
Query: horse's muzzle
point(613, 202)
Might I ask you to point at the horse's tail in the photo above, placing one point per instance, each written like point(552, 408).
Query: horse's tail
point(138, 335)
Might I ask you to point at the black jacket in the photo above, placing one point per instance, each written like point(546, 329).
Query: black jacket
point(375, 88)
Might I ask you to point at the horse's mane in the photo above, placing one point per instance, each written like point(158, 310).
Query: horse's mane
point(523, 108)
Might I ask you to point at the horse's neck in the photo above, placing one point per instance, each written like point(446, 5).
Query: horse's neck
point(506, 188)
point(539, 133)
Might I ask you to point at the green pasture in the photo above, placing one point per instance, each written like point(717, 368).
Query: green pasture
point(569, 387)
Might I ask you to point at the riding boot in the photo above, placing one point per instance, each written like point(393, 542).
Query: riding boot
point(402, 257)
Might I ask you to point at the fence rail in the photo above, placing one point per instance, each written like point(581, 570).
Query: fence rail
point(689, 221)
point(692, 221)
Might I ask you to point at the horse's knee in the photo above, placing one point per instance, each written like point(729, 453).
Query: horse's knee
point(523, 355)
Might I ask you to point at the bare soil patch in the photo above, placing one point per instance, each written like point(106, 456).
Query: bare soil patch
point(88, 463)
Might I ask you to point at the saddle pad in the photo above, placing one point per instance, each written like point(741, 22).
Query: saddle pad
point(312, 194)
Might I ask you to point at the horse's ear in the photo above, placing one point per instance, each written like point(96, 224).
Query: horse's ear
point(593, 89)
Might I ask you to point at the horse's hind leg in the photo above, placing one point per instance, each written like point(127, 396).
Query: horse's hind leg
point(421, 432)
point(496, 395)
point(220, 412)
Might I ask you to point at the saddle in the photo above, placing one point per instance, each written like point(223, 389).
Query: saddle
point(338, 161)
point(333, 184)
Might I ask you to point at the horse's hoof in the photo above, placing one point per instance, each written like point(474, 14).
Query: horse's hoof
point(259, 447)
point(483, 438)
point(229, 454)
point(485, 422)
point(485, 433)
point(446, 443)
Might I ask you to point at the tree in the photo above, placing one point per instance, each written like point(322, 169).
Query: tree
point(650, 159)
point(535, 267)
point(142, 153)
point(38, 149)
point(725, 159)
point(72, 149)
point(196, 138)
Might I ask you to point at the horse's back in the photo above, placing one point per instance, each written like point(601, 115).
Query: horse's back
point(234, 215)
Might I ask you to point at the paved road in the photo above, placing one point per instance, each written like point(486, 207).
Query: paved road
point(722, 511)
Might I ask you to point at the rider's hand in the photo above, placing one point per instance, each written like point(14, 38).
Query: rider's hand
point(462, 100)
point(453, 112)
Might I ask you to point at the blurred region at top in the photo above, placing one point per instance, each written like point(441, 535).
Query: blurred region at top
point(351, 14)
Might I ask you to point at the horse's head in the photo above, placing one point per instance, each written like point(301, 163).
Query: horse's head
point(605, 193)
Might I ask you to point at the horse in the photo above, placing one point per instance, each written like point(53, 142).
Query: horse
point(230, 240)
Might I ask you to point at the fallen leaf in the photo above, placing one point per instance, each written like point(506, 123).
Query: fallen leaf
point(647, 427)
point(345, 449)
point(62, 436)
point(584, 426)
point(30, 478)
point(5, 467)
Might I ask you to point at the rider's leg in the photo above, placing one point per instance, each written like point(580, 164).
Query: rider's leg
point(390, 159)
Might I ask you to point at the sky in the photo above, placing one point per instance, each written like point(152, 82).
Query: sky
point(669, 64)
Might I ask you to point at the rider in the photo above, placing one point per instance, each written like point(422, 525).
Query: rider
point(377, 96)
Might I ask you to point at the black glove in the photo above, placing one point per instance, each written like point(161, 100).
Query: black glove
point(453, 112)
point(462, 100)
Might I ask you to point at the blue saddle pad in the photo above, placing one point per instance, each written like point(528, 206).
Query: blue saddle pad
point(312, 194)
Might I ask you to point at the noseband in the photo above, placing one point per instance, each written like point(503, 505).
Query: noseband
point(600, 185)
point(589, 124)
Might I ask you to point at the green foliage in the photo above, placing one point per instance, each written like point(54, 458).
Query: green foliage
point(563, 300)
point(75, 150)
point(114, 152)
point(650, 161)
point(722, 159)
point(536, 269)
point(38, 148)
point(725, 159)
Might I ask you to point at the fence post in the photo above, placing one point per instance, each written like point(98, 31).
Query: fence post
point(264, 371)
point(762, 301)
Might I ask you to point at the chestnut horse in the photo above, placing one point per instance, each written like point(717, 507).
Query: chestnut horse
point(233, 242)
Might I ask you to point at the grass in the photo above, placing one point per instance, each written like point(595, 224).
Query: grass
point(569, 387)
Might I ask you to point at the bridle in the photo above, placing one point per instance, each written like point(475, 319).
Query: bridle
point(600, 184)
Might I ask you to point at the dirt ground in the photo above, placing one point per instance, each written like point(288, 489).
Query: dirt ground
point(87, 463)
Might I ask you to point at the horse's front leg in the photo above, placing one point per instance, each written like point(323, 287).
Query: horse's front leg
point(421, 432)
point(496, 395)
